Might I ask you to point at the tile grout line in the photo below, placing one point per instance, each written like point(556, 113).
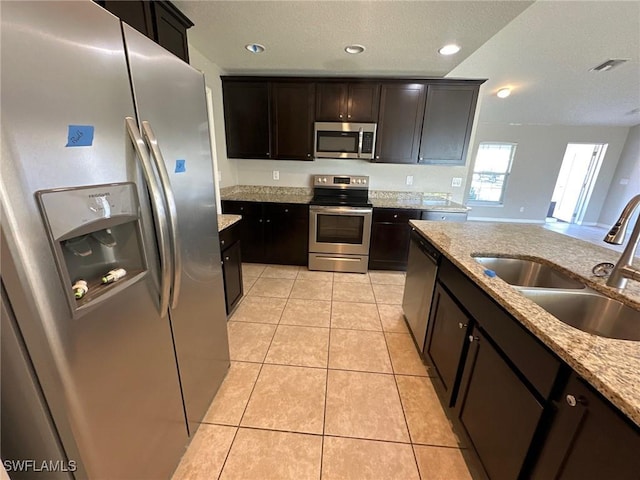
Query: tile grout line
point(326, 381)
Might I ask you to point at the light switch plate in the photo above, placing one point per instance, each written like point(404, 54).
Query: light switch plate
point(456, 182)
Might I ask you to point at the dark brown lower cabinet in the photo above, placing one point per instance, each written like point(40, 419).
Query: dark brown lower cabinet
point(231, 266)
point(390, 235)
point(446, 339)
point(272, 232)
point(498, 412)
point(588, 439)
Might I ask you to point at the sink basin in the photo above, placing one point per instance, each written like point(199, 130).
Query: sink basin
point(528, 273)
point(589, 312)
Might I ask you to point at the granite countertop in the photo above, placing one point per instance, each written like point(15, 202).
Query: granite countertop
point(609, 365)
point(225, 220)
point(257, 193)
point(380, 199)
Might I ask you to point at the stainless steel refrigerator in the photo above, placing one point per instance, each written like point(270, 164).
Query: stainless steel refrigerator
point(106, 165)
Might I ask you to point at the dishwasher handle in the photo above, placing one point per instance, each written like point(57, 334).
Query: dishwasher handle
point(425, 247)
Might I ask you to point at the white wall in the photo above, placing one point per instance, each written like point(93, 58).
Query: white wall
point(227, 172)
point(426, 178)
point(628, 171)
point(537, 163)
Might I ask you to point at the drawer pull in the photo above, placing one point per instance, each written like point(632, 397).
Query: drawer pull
point(462, 325)
point(473, 338)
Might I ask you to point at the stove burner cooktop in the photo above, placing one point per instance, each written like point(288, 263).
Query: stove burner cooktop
point(341, 190)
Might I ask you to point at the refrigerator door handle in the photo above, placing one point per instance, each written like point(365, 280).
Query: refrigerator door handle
point(159, 213)
point(161, 168)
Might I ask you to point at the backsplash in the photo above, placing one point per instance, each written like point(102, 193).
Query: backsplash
point(382, 177)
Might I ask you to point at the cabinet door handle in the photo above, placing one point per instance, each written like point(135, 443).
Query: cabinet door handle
point(395, 216)
point(308, 155)
point(286, 210)
point(462, 325)
point(260, 220)
point(341, 115)
point(268, 221)
point(473, 338)
point(226, 258)
point(221, 242)
point(377, 157)
point(420, 157)
point(572, 401)
point(348, 116)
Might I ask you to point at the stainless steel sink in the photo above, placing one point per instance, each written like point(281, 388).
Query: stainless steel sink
point(589, 312)
point(528, 273)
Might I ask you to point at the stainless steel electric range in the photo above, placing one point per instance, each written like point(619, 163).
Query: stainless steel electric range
point(340, 223)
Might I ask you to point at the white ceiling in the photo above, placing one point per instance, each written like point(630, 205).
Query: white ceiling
point(543, 50)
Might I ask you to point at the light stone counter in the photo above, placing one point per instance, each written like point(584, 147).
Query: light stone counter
point(379, 198)
point(225, 220)
point(609, 365)
point(258, 193)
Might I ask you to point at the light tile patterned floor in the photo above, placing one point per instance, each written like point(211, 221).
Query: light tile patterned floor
point(325, 383)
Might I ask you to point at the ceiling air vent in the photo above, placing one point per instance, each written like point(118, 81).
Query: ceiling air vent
point(609, 64)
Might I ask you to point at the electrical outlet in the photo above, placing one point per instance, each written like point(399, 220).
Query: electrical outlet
point(456, 182)
point(624, 181)
point(521, 209)
point(276, 175)
point(409, 179)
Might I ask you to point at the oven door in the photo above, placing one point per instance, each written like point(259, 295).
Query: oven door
point(339, 230)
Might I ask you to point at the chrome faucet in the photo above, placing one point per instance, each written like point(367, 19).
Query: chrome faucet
point(623, 269)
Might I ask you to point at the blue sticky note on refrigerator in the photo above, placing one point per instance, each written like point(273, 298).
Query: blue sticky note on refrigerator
point(181, 166)
point(80, 136)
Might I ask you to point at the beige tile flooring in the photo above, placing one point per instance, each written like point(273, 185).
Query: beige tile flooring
point(325, 383)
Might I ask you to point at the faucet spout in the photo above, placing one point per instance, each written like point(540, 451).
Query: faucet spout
point(623, 269)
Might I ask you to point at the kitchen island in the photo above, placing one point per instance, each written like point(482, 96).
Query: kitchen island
point(611, 366)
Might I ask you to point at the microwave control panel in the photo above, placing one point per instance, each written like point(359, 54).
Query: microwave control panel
point(367, 142)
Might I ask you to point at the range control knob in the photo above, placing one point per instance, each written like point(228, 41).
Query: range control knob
point(364, 180)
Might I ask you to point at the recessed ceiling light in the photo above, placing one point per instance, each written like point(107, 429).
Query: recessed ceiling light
point(450, 49)
point(503, 92)
point(354, 49)
point(255, 47)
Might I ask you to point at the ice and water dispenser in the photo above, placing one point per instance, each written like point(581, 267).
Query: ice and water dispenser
point(96, 236)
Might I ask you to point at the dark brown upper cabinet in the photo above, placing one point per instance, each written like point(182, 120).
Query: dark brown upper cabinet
point(246, 118)
point(171, 29)
point(400, 122)
point(446, 129)
point(292, 114)
point(161, 21)
point(347, 102)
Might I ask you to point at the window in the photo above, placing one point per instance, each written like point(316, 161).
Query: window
point(493, 164)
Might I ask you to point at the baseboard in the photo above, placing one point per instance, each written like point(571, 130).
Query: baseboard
point(504, 220)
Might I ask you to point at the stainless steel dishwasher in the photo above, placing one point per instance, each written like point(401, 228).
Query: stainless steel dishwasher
point(422, 269)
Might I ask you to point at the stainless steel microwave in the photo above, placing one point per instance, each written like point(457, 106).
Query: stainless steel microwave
point(344, 140)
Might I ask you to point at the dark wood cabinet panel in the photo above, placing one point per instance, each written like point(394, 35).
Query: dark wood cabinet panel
point(251, 228)
point(286, 233)
point(347, 102)
point(246, 117)
point(272, 232)
point(588, 438)
point(390, 237)
point(448, 118)
point(159, 20)
point(363, 102)
point(400, 122)
point(171, 29)
point(446, 340)
point(230, 251)
point(498, 412)
point(134, 13)
point(292, 115)
point(331, 102)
